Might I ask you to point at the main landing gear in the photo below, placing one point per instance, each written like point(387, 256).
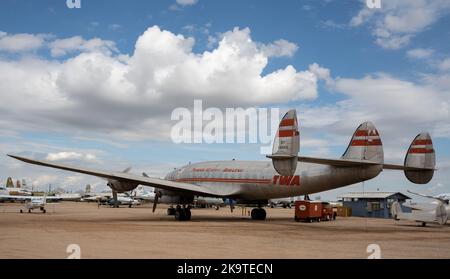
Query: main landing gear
point(180, 213)
point(258, 214)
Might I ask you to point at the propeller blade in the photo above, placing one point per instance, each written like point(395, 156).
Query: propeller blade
point(126, 170)
point(116, 204)
point(155, 202)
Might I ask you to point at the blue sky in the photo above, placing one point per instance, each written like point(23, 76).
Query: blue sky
point(388, 65)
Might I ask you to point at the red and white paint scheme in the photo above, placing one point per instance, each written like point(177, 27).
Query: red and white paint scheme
point(286, 175)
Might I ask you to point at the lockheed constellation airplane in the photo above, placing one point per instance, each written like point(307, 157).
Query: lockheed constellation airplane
point(288, 175)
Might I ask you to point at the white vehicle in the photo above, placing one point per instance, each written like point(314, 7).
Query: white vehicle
point(436, 214)
point(287, 175)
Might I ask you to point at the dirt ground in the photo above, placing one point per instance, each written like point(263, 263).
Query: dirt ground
point(138, 233)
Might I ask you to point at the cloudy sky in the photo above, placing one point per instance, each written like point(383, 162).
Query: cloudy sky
point(96, 86)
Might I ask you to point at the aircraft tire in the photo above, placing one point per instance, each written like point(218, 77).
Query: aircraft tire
point(180, 214)
point(187, 214)
point(258, 214)
point(44, 211)
point(21, 211)
point(29, 210)
point(171, 211)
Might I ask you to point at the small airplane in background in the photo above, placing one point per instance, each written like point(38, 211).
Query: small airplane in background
point(435, 214)
point(285, 203)
point(31, 202)
point(288, 175)
point(123, 200)
point(35, 203)
point(436, 211)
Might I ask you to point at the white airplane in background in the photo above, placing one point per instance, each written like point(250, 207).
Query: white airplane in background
point(123, 200)
point(35, 203)
point(285, 202)
point(433, 214)
point(15, 190)
point(31, 202)
point(288, 175)
point(441, 199)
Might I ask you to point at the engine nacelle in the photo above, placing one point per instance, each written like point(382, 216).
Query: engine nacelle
point(121, 186)
point(169, 197)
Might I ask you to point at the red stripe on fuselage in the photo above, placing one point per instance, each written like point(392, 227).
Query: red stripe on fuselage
point(225, 180)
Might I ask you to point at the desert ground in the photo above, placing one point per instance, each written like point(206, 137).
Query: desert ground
point(138, 233)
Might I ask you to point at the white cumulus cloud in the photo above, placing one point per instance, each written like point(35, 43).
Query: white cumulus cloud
point(399, 20)
point(419, 53)
point(61, 47)
point(95, 89)
point(280, 48)
point(21, 42)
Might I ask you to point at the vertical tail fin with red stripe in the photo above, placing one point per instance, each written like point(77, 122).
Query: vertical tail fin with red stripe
point(365, 145)
point(286, 145)
point(421, 155)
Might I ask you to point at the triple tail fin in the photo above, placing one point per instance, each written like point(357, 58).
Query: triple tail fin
point(286, 145)
point(365, 145)
point(420, 155)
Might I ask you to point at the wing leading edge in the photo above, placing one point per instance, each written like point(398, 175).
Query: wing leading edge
point(127, 177)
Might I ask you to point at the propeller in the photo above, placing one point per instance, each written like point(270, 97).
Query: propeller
point(155, 202)
point(127, 170)
point(116, 204)
point(157, 195)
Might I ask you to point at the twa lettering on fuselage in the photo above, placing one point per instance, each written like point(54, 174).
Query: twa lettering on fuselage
point(286, 180)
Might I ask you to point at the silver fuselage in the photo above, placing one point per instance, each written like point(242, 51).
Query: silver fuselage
point(258, 180)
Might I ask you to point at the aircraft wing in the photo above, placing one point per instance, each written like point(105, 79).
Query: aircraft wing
point(353, 163)
point(444, 201)
point(25, 198)
point(131, 178)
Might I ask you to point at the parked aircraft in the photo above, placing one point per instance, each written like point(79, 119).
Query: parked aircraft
point(289, 175)
point(35, 203)
point(31, 202)
point(285, 202)
point(123, 200)
point(17, 190)
point(435, 214)
point(429, 206)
